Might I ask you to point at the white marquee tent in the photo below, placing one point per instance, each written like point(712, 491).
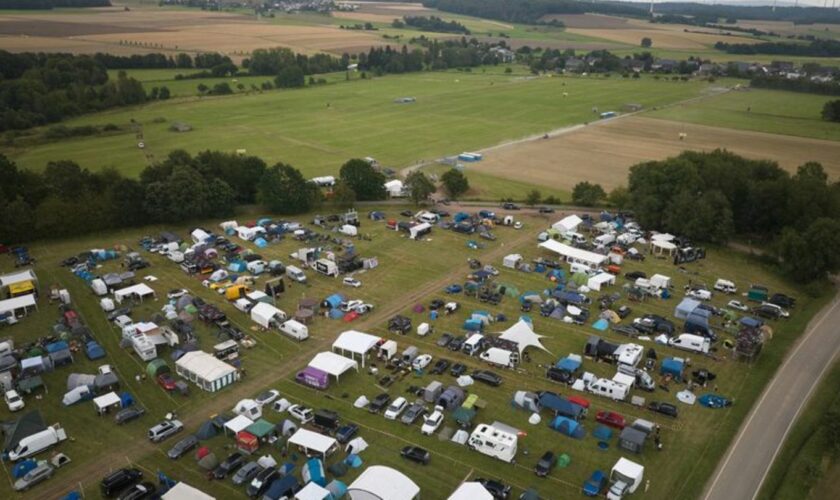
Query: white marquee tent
point(206, 371)
point(141, 291)
point(355, 343)
point(333, 363)
point(264, 314)
point(313, 442)
point(14, 304)
point(523, 336)
point(378, 482)
point(599, 280)
point(238, 423)
point(572, 254)
point(471, 491)
point(183, 491)
point(566, 224)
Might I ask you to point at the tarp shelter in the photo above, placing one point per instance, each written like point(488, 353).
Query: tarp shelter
point(27, 425)
point(238, 424)
point(140, 291)
point(313, 442)
point(313, 491)
point(106, 401)
point(574, 255)
point(471, 491)
point(206, 371)
point(661, 247)
point(567, 426)
point(378, 482)
point(600, 280)
point(685, 308)
point(522, 334)
point(23, 304)
point(332, 363)
point(183, 491)
point(566, 224)
point(262, 428)
point(356, 343)
point(266, 315)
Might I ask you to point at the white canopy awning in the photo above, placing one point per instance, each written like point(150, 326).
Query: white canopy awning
point(13, 304)
point(238, 423)
point(313, 441)
point(106, 400)
point(574, 254)
point(523, 336)
point(332, 363)
point(313, 491)
point(183, 491)
point(141, 290)
point(599, 280)
point(568, 223)
point(204, 366)
point(262, 313)
point(380, 482)
point(18, 277)
point(471, 491)
point(356, 343)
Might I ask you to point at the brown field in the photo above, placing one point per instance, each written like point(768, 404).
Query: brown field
point(662, 38)
point(589, 21)
point(604, 152)
point(152, 30)
point(788, 28)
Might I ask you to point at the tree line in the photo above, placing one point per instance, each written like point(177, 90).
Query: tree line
point(795, 85)
point(815, 48)
point(50, 4)
point(183, 60)
point(530, 11)
point(431, 23)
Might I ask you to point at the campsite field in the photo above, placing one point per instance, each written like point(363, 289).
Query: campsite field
point(409, 273)
point(318, 129)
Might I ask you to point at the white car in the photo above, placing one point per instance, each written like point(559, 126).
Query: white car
point(396, 407)
point(699, 294)
point(421, 361)
point(303, 414)
point(352, 282)
point(177, 294)
point(123, 321)
point(737, 305)
point(432, 423)
point(14, 401)
point(267, 397)
point(351, 305)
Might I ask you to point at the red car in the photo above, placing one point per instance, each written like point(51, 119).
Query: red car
point(166, 381)
point(579, 401)
point(611, 419)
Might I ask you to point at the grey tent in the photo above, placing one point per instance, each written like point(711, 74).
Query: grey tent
point(526, 401)
point(112, 279)
point(558, 313)
point(208, 462)
point(79, 379)
point(106, 382)
point(184, 301)
point(632, 440)
point(288, 428)
point(26, 425)
point(206, 431)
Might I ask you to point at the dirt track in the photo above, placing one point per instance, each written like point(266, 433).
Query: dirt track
point(603, 152)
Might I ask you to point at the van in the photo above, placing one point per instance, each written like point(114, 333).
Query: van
point(689, 342)
point(38, 442)
point(609, 388)
point(725, 286)
point(428, 218)
point(604, 240)
point(574, 238)
point(326, 420)
point(500, 357)
point(295, 274)
point(473, 345)
point(577, 267)
point(295, 330)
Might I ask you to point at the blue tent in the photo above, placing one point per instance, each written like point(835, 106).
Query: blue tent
point(472, 325)
point(313, 471)
point(21, 468)
point(336, 314)
point(334, 300)
point(460, 217)
point(568, 364)
point(286, 468)
point(94, 350)
point(57, 346)
point(260, 242)
point(601, 325)
point(567, 427)
point(433, 315)
point(559, 275)
point(337, 489)
point(353, 460)
point(237, 266)
point(126, 400)
point(751, 322)
point(714, 401)
point(560, 405)
point(602, 433)
point(673, 367)
point(73, 495)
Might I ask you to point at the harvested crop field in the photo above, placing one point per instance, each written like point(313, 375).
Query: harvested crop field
point(662, 38)
point(589, 21)
point(603, 152)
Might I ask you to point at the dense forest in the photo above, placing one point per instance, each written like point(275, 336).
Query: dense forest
point(273, 61)
point(816, 48)
point(208, 60)
point(795, 85)
point(433, 24)
point(50, 4)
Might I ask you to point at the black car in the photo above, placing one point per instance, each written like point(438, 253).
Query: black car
point(444, 340)
point(782, 300)
point(546, 463)
point(634, 275)
point(407, 213)
point(129, 414)
point(230, 464)
point(623, 311)
point(139, 491)
point(435, 304)
point(399, 324)
point(498, 489)
point(261, 482)
point(119, 480)
point(416, 454)
point(767, 312)
point(546, 210)
point(510, 206)
point(379, 402)
point(559, 375)
point(346, 432)
point(457, 370)
point(440, 366)
point(626, 330)
point(456, 343)
point(663, 408)
point(487, 377)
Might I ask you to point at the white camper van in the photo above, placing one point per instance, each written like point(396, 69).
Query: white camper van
point(295, 274)
point(473, 344)
point(625, 478)
point(38, 442)
point(725, 286)
point(609, 388)
point(494, 442)
point(689, 342)
point(577, 267)
point(295, 329)
point(500, 357)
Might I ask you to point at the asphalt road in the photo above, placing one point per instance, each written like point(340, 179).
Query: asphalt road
point(749, 458)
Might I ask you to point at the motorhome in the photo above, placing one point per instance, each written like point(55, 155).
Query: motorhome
point(494, 442)
point(629, 354)
point(574, 238)
point(689, 342)
point(609, 388)
point(38, 442)
point(144, 347)
point(473, 345)
point(295, 274)
point(725, 286)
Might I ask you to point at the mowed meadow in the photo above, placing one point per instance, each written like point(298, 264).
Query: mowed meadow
point(318, 128)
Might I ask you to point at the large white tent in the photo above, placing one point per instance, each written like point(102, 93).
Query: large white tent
point(572, 254)
point(14, 304)
point(599, 280)
point(18, 277)
point(313, 491)
point(332, 363)
point(378, 482)
point(523, 336)
point(471, 491)
point(264, 314)
point(313, 442)
point(238, 423)
point(660, 247)
point(106, 401)
point(183, 491)
point(566, 224)
point(141, 291)
point(205, 370)
point(355, 343)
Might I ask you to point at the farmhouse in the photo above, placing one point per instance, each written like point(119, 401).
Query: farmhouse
point(206, 371)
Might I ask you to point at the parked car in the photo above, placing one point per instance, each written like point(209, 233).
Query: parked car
point(416, 454)
point(13, 400)
point(412, 413)
point(228, 465)
point(396, 408)
point(301, 413)
point(440, 366)
point(595, 484)
point(634, 275)
point(546, 210)
point(421, 362)
point(545, 464)
point(267, 397)
point(349, 281)
point(116, 313)
point(611, 419)
point(119, 480)
point(379, 402)
point(487, 377)
point(176, 293)
point(623, 311)
point(166, 381)
point(262, 481)
point(182, 447)
point(767, 311)
point(246, 473)
point(559, 375)
point(663, 408)
point(510, 206)
point(164, 430)
point(453, 289)
point(782, 300)
point(432, 423)
point(782, 312)
point(128, 414)
point(737, 305)
point(346, 432)
point(498, 489)
point(626, 330)
point(457, 370)
point(444, 340)
point(139, 491)
point(41, 472)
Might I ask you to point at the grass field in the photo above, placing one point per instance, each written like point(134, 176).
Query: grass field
point(317, 129)
point(693, 443)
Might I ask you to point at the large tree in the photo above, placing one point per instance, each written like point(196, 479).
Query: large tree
point(284, 190)
point(455, 183)
point(364, 180)
point(420, 187)
point(587, 194)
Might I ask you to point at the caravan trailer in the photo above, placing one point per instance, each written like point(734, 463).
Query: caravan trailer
point(494, 442)
point(295, 329)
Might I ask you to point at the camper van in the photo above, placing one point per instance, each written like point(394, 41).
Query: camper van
point(313, 377)
point(494, 442)
point(295, 274)
point(473, 345)
point(500, 357)
point(326, 267)
point(604, 240)
point(144, 347)
point(625, 478)
point(609, 388)
point(689, 342)
point(574, 238)
point(295, 330)
point(38, 442)
point(577, 267)
point(387, 350)
point(629, 354)
point(428, 217)
point(725, 286)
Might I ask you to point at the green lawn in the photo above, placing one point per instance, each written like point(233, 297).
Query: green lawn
point(409, 273)
point(317, 129)
point(488, 187)
point(771, 111)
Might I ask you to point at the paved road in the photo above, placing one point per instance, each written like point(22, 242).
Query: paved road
point(748, 460)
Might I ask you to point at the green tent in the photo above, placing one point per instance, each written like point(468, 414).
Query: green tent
point(261, 428)
point(156, 367)
point(580, 278)
point(564, 460)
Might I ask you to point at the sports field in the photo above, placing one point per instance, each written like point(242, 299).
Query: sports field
point(318, 129)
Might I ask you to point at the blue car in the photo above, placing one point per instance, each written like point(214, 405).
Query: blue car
point(454, 289)
point(596, 483)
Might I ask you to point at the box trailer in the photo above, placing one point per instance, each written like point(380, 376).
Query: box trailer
point(625, 478)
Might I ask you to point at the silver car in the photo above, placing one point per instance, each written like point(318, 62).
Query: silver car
point(246, 473)
point(182, 446)
point(41, 472)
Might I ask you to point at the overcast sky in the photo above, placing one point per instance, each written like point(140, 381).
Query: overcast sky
point(817, 3)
